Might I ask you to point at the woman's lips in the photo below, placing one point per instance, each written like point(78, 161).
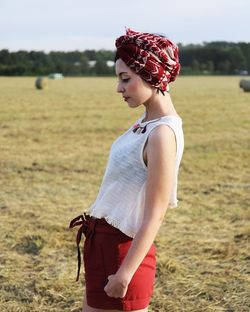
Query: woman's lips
point(125, 98)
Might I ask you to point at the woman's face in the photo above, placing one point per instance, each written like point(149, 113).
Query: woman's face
point(135, 91)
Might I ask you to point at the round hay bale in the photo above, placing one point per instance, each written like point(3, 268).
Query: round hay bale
point(245, 85)
point(40, 83)
point(242, 81)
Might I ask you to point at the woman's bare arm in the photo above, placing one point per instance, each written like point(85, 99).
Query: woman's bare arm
point(161, 153)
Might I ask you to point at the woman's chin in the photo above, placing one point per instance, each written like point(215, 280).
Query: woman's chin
point(132, 104)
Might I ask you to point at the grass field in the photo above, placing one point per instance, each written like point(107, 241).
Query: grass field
point(54, 148)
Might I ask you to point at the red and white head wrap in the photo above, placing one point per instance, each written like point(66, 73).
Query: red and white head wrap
point(152, 57)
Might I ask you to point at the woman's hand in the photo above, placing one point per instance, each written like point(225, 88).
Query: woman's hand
point(116, 286)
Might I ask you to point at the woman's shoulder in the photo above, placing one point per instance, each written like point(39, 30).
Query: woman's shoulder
point(161, 134)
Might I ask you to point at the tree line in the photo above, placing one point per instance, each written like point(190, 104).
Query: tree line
point(209, 58)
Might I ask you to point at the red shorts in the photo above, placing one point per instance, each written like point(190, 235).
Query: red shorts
point(105, 248)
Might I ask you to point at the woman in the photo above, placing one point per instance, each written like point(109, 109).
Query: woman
point(139, 184)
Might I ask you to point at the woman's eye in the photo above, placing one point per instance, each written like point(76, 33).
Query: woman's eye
point(125, 79)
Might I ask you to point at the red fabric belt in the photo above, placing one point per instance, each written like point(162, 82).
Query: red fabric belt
point(83, 221)
point(89, 226)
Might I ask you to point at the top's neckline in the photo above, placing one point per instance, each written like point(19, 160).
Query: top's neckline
point(156, 119)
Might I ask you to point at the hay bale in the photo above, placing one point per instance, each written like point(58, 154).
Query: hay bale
point(245, 85)
point(40, 83)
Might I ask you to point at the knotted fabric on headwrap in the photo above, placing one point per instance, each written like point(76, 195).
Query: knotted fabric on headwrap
point(152, 57)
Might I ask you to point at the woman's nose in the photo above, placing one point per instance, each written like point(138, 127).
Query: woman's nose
point(119, 88)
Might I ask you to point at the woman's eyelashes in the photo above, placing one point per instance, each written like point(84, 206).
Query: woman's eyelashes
point(125, 79)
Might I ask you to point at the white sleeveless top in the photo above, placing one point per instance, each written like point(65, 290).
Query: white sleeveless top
point(121, 198)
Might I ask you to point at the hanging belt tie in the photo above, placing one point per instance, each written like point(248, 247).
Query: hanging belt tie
point(82, 220)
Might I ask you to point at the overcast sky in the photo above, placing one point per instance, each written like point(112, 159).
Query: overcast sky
point(78, 24)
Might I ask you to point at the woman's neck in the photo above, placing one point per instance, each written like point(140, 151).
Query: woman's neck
point(159, 106)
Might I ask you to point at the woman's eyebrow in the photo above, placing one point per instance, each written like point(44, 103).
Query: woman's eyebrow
point(122, 73)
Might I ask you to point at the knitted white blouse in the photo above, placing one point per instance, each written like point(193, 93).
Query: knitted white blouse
point(121, 197)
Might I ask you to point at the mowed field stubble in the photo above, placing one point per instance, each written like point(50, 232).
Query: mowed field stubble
point(54, 148)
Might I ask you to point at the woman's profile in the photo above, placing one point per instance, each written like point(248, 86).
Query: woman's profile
point(139, 183)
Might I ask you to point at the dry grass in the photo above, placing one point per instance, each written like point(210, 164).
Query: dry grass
point(54, 148)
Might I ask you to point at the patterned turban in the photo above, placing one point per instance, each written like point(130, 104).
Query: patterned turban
point(152, 57)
